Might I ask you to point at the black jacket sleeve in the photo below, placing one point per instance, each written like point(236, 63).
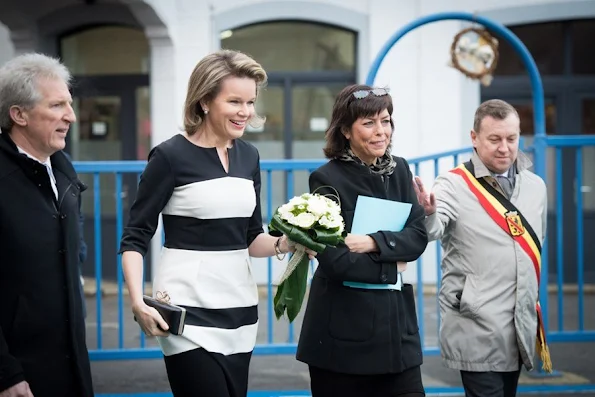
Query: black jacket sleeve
point(342, 265)
point(11, 371)
point(154, 191)
point(408, 244)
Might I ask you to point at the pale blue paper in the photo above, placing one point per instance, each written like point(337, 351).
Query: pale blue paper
point(374, 214)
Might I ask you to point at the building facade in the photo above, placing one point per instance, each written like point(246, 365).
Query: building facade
point(132, 58)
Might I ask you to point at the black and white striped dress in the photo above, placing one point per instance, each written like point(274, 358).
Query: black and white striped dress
point(210, 217)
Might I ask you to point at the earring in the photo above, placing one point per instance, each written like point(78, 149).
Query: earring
point(206, 111)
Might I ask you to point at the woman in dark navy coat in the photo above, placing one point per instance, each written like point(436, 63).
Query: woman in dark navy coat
point(360, 335)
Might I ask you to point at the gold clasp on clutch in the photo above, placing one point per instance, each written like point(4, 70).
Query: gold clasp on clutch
point(162, 297)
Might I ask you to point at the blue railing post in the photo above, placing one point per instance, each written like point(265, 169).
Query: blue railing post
point(119, 275)
point(269, 262)
point(290, 193)
point(420, 288)
point(98, 264)
point(580, 243)
point(438, 260)
point(560, 239)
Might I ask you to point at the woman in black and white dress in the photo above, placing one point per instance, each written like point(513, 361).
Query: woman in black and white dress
point(206, 183)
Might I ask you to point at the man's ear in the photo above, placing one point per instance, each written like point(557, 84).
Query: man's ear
point(18, 116)
point(474, 138)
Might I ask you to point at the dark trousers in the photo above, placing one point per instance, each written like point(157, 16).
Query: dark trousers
point(490, 384)
point(196, 373)
point(326, 383)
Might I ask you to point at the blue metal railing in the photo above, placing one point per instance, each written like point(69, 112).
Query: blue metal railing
point(426, 166)
point(576, 143)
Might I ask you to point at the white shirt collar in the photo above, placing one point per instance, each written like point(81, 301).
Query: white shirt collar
point(47, 163)
point(48, 166)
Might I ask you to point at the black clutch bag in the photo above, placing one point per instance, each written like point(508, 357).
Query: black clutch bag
point(173, 315)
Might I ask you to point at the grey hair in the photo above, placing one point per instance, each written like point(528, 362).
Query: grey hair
point(18, 82)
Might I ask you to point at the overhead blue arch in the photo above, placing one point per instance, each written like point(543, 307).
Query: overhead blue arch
point(539, 143)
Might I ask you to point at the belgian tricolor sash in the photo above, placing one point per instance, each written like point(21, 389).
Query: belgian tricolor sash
point(510, 219)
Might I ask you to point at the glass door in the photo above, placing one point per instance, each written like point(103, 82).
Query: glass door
point(96, 137)
point(311, 109)
point(269, 141)
point(587, 108)
point(113, 124)
point(110, 65)
point(586, 190)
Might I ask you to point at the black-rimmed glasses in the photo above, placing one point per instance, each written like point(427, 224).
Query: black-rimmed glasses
point(361, 94)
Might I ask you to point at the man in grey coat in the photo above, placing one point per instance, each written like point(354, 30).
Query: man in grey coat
point(490, 214)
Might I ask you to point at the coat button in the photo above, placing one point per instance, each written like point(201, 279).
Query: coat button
point(63, 216)
point(392, 244)
point(383, 278)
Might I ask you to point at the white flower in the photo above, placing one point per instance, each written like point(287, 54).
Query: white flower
point(317, 206)
point(285, 212)
point(334, 208)
point(332, 222)
point(303, 220)
point(325, 222)
point(297, 201)
point(331, 206)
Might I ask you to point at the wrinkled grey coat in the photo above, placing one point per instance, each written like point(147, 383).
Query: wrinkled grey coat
point(489, 286)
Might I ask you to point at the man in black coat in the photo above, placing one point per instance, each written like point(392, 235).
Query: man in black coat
point(42, 332)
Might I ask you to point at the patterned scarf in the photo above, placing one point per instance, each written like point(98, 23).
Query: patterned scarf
point(385, 165)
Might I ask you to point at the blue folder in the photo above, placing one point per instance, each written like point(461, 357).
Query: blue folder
point(374, 214)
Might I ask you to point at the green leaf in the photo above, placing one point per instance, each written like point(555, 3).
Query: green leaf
point(295, 234)
point(290, 294)
point(326, 236)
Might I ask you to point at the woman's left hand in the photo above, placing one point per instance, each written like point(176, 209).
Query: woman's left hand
point(286, 245)
point(401, 267)
point(361, 244)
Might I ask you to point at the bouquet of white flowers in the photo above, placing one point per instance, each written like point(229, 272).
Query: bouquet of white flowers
point(311, 221)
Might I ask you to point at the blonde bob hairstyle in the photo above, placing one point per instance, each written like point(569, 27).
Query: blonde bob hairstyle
point(206, 79)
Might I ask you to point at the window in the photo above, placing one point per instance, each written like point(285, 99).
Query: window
point(545, 41)
point(106, 50)
point(526, 115)
point(583, 57)
point(294, 46)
